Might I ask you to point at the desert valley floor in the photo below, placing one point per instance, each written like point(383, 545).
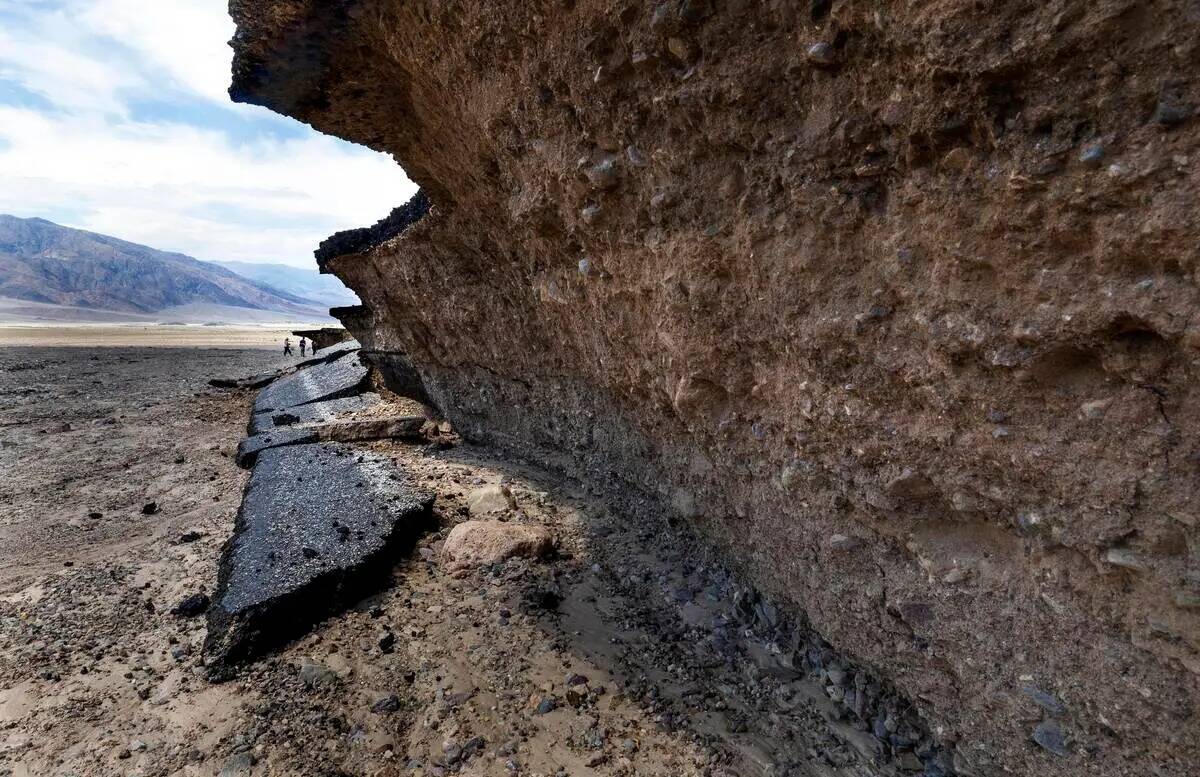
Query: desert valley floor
point(610, 657)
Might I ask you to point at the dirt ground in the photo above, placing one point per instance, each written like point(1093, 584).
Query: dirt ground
point(617, 655)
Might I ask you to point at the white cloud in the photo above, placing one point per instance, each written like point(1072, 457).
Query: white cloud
point(183, 188)
point(227, 184)
point(48, 58)
point(184, 39)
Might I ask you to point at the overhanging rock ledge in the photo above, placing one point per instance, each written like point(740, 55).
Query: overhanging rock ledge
point(896, 303)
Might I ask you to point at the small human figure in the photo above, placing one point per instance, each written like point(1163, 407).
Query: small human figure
point(287, 346)
point(302, 346)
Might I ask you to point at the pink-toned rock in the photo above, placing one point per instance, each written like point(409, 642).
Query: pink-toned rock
point(478, 543)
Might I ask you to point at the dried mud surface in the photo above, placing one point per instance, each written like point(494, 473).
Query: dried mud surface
point(896, 302)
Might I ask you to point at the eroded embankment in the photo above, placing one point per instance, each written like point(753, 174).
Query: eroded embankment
point(896, 304)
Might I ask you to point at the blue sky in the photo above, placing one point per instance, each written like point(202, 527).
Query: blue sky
point(114, 118)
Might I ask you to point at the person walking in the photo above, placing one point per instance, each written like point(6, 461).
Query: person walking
point(302, 345)
point(287, 346)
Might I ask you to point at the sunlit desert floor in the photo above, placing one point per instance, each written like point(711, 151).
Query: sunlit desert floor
point(624, 653)
point(150, 336)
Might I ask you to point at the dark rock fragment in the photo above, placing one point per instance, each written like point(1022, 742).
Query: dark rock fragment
point(386, 704)
point(473, 746)
point(545, 599)
point(1049, 735)
point(1044, 700)
point(190, 607)
point(1172, 108)
point(150, 508)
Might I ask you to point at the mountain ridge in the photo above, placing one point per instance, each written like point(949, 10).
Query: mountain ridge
point(303, 282)
point(45, 263)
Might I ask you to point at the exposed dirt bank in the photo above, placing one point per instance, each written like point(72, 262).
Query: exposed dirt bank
point(896, 302)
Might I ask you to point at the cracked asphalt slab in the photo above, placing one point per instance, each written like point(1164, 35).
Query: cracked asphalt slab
point(310, 413)
point(343, 376)
point(316, 531)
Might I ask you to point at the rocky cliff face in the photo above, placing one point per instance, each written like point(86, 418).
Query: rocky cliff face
point(896, 302)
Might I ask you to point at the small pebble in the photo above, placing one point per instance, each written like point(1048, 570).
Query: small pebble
point(386, 704)
point(821, 54)
point(1049, 735)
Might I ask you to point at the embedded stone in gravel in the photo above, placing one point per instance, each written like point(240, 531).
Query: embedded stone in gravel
point(190, 607)
point(342, 377)
point(315, 674)
point(311, 413)
point(386, 704)
point(479, 543)
point(1046, 701)
point(490, 499)
point(249, 449)
point(351, 511)
point(1049, 735)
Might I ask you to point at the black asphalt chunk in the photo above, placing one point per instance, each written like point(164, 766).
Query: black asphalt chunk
point(252, 382)
point(319, 529)
point(250, 448)
point(311, 413)
point(331, 352)
point(345, 376)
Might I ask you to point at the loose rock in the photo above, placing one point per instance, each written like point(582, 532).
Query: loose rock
point(479, 543)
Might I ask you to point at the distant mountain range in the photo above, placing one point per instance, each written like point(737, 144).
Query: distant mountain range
point(54, 273)
point(300, 281)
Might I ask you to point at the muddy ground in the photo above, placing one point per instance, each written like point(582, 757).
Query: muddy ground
point(625, 652)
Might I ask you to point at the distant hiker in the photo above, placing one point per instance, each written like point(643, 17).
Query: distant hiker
point(302, 345)
point(287, 346)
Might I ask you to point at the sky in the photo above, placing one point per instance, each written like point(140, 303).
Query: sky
point(114, 117)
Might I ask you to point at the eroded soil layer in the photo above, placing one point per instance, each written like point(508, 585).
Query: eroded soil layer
point(896, 303)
